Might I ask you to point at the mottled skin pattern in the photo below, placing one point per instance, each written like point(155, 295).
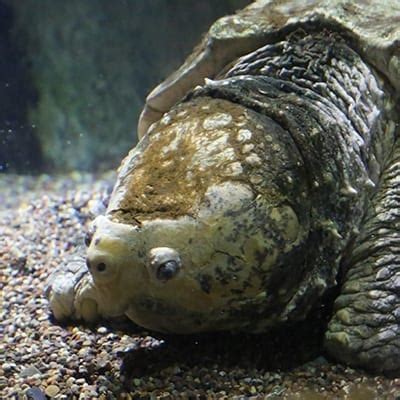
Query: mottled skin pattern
point(252, 197)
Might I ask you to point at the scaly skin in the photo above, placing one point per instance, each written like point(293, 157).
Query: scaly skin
point(373, 28)
point(365, 328)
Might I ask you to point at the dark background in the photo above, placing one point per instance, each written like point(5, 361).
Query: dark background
point(74, 74)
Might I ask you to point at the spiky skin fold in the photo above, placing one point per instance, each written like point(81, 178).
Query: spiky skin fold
point(264, 181)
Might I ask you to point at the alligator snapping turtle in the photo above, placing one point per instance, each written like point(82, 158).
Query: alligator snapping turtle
point(254, 192)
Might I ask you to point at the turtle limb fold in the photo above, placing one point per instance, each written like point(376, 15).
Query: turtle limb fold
point(365, 328)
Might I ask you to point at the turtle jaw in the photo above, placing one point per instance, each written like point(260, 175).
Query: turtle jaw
point(132, 267)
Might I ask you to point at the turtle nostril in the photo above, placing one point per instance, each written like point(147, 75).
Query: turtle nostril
point(101, 267)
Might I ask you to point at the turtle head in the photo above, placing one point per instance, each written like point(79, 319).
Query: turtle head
point(192, 234)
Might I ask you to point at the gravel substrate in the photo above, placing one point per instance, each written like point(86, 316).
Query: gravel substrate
point(42, 222)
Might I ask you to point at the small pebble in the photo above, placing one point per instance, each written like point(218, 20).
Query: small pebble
point(29, 372)
point(35, 394)
point(96, 207)
point(52, 390)
point(8, 367)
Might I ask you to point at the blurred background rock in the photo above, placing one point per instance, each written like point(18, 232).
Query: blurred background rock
point(74, 74)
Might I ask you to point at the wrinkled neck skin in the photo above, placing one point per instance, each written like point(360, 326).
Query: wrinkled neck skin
point(234, 209)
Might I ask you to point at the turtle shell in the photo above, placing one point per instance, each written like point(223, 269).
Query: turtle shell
point(371, 26)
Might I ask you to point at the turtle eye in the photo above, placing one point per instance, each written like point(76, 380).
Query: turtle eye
point(101, 267)
point(164, 263)
point(167, 270)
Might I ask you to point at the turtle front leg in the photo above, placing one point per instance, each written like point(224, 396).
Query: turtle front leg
point(365, 328)
point(71, 292)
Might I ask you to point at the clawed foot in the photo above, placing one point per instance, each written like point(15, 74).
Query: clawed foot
point(71, 292)
point(365, 330)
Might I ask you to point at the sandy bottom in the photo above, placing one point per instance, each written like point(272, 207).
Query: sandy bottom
point(43, 221)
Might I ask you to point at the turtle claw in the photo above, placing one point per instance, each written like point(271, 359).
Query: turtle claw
point(71, 292)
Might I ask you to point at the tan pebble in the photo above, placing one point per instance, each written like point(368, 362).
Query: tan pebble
point(83, 352)
point(51, 379)
point(70, 381)
point(52, 390)
point(75, 388)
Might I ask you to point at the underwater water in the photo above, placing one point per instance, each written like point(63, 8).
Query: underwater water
point(74, 78)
